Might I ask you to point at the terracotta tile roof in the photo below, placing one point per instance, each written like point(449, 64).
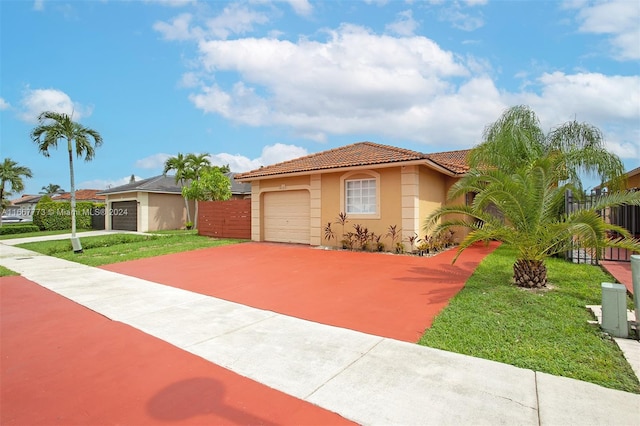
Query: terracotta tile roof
point(81, 195)
point(358, 154)
point(456, 161)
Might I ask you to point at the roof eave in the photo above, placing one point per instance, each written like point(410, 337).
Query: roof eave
point(139, 190)
point(420, 162)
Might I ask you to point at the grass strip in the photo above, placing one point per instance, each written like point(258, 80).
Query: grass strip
point(6, 272)
point(544, 330)
point(115, 248)
point(40, 233)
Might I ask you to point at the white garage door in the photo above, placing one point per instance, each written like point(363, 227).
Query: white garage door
point(287, 217)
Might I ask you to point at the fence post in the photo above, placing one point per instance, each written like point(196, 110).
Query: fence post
point(635, 277)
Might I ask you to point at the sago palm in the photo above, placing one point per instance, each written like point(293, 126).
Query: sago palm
point(527, 217)
point(54, 126)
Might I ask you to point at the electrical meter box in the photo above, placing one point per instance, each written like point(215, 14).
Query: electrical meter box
point(614, 310)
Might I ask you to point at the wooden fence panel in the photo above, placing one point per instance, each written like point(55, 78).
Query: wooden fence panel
point(225, 219)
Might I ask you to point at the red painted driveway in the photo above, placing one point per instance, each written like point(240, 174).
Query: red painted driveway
point(63, 364)
point(394, 296)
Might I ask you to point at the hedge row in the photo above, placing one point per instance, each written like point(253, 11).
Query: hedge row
point(18, 228)
point(56, 215)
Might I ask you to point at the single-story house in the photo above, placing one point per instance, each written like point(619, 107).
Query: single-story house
point(153, 204)
point(377, 186)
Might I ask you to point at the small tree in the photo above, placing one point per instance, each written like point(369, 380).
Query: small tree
point(212, 185)
point(13, 174)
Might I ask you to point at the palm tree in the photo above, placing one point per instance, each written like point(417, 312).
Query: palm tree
point(13, 174)
point(516, 140)
point(50, 189)
point(527, 219)
point(180, 166)
point(54, 126)
point(197, 163)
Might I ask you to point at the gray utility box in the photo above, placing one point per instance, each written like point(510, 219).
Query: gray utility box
point(614, 310)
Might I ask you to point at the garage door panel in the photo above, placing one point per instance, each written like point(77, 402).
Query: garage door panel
point(124, 215)
point(287, 217)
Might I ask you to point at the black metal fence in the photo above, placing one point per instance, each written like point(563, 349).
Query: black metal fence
point(98, 218)
point(625, 216)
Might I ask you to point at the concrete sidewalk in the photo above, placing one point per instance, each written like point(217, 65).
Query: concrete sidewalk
point(364, 378)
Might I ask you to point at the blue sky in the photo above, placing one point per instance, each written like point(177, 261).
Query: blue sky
point(258, 82)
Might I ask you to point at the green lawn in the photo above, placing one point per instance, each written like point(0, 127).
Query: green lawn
point(115, 248)
point(545, 330)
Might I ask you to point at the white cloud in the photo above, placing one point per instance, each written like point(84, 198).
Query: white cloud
point(4, 104)
point(608, 102)
point(618, 19)
point(301, 7)
point(178, 29)
point(356, 82)
point(189, 80)
point(476, 2)
point(172, 3)
point(271, 154)
point(155, 161)
point(404, 24)
point(36, 101)
point(461, 20)
point(279, 152)
point(234, 19)
point(352, 81)
point(458, 14)
point(38, 5)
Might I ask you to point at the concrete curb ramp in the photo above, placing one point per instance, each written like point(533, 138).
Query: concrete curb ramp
point(368, 379)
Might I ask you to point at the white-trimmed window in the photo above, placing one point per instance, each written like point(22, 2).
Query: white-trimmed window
point(361, 196)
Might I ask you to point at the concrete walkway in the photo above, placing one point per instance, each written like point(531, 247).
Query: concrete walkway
point(362, 377)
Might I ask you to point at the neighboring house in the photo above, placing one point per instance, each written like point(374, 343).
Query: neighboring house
point(23, 207)
point(153, 204)
point(633, 179)
point(377, 186)
point(26, 205)
point(87, 195)
point(628, 216)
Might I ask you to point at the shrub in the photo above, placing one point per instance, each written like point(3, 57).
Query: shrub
point(19, 228)
point(37, 218)
point(55, 215)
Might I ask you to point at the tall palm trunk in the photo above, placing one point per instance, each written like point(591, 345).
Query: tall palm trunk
point(186, 202)
point(73, 194)
point(530, 273)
